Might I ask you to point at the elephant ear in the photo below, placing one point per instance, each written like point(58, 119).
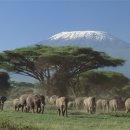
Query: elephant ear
point(3, 98)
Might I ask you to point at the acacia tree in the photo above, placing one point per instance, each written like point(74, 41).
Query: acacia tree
point(57, 65)
point(81, 60)
point(102, 83)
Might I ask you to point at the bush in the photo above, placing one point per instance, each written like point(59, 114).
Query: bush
point(9, 125)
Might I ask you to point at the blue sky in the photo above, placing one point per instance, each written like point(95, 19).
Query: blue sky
point(23, 22)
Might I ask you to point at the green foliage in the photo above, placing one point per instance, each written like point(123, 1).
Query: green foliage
point(9, 125)
point(20, 88)
point(125, 90)
point(105, 83)
point(10, 120)
point(55, 66)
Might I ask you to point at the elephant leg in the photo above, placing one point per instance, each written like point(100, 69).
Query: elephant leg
point(2, 107)
point(62, 110)
point(113, 109)
point(103, 109)
point(87, 109)
point(15, 108)
point(126, 111)
point(63, 113)
point(90, 111)
point(39, 110)
point(22, 107)
point(59, 112)
point(18, 108)
point(33, 111)
point(108, 109)
point(42, 109)
point(66, 112)
point(28, 109)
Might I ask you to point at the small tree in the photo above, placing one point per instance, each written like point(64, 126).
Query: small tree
point(19, 88)
point(4, 83)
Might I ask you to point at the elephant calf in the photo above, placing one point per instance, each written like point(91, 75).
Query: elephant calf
point(22, 101)
point(16, 104)
point(62, 105)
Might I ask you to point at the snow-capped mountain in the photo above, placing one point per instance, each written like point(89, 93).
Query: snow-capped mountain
point(98, 40)
point(75, 35)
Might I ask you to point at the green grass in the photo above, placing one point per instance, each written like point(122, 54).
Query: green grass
point(10, 120)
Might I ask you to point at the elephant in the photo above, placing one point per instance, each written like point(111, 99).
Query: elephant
point(22, 101)
point(71, 104)
point(127, 105)
point(90, 104)
point(52, 99)
point(79, 102)
point(16, 104)
point(121, 103)
point(35, 101)
point(47, 98)
point(102, 104)
point(2, 100)
point(113, 105)
point(62, 105)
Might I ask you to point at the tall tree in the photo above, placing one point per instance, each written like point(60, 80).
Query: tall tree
point(47, 64)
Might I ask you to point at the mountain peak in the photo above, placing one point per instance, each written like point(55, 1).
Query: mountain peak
point(75, 35)
point(97, 40)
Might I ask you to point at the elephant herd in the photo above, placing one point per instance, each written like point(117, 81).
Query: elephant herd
point(91, 104)
point(27, 102)
point(37, 102)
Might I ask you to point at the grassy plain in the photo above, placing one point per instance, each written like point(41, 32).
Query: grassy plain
point(10, 120)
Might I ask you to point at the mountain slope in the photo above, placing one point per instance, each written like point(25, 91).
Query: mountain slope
point(98, 40)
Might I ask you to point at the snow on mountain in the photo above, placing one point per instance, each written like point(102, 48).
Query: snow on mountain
point(98, 40)
point(96, 35)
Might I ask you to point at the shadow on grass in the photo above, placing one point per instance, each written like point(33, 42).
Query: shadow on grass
point(85, 115)
point(120, 115)
point(99, 115)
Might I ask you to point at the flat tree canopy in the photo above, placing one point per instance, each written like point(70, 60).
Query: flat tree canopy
point(45, 63)
point(103, 83)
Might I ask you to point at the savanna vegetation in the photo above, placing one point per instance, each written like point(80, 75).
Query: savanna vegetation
point(59, 70)
point(63, 71)
point(103, 84)
point(10, 120)
point(19, 88)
